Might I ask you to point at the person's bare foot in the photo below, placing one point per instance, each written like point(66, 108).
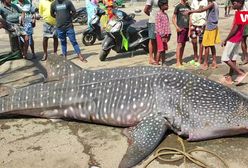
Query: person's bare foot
point(24, 56)
point(33, 56)
point(44, 58)
point(152, 61)
point(227, 80)
point(214, 65)
point(240, 78)
point(196, 58)
point(204, 67)
point(82, 58)
point(179, 65)
point(244, 62)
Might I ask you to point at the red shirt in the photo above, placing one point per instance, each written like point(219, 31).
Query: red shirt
point(239, 34)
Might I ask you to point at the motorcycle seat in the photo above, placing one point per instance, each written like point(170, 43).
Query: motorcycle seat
point(142, 24)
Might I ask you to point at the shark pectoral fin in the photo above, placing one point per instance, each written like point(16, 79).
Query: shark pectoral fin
point(143, 139)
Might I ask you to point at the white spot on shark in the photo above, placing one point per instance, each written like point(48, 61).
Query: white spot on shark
point(89, 107)
point(65, 112)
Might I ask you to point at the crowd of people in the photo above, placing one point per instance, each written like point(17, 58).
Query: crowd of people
point(197, 21)
point(57, 16)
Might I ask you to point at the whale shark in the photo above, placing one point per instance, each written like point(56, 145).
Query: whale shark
point(146, 101)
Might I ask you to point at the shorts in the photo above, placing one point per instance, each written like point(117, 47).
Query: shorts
point(161, 46)
point(182, 36)
point(28, 28)
point(151, 31)
point(49, 30)
point(231, 52)
point(211, 37)
point(197, 31)
point(245, 31)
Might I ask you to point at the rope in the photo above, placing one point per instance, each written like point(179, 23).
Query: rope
point(182, 154)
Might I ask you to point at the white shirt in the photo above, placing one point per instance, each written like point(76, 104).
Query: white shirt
point(199, 19)
point(154, 10)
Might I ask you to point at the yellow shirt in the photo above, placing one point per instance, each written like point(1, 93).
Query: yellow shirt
point(44, 10)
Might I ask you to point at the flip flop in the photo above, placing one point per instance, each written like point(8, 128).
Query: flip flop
point(244, 63)
point(241, 79)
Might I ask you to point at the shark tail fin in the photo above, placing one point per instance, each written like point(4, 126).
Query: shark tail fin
point(143, 139)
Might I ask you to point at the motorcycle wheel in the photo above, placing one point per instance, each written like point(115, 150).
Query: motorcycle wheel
point(103, 54)
point(89, 39)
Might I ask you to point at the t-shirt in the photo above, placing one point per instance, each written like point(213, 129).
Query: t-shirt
point(62, 10)
point(28, 8)
point(198, 19)
point(212, 17)
point(45, 11)
point(239, 35)
point(182, 20)
point(10, 13)
point(154, 10)
point(162, 25)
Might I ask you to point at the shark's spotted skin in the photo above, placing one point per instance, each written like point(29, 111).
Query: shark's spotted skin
point(149, 99)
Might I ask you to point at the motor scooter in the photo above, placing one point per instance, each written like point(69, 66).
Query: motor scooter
point(124, 34)
point(80, 16)
point(94, 31)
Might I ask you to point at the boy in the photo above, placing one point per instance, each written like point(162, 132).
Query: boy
point(62, 11)
point(228, 7)
point(245, 35)
point(211, 34)
point(27, 20)
point(151, 10)
point(231, 44)
point(162, 28)
point(49, 29)
point(181, 22)
point(197, 23)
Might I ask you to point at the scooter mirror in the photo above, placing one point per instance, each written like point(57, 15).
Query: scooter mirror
point(132, 15)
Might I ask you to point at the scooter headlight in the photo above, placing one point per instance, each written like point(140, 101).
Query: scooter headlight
point(116, 27)
point(94, 20)
point(113, 26)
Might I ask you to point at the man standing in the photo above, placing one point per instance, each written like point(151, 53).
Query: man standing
point(10, 13)
point(63, 10)
point(151, 9)
point(49, 30)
